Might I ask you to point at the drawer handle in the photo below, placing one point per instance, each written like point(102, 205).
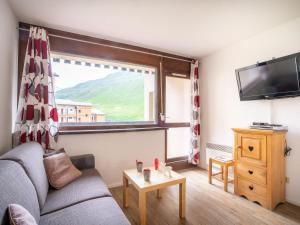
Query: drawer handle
point(251, 187)
point(250, 148)
point(250, 172)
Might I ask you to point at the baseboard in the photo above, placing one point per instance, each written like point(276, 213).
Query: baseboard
point(293, 202)
point(115, 185)
point(201, 167)
point(180, 165)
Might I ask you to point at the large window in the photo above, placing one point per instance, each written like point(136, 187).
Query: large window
point(98, 91)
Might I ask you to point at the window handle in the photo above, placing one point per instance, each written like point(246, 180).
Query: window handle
point(162, 117)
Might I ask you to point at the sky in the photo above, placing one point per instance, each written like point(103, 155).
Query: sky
point(71, 74)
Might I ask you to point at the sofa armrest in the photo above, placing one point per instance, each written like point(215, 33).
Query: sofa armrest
point(82, 162)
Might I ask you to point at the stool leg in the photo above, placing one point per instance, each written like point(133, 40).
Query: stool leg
point(209, 171)
point(225, 177)
point(222, 172)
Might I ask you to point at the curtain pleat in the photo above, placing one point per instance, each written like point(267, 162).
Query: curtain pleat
point(194, 155)
point(37, 118)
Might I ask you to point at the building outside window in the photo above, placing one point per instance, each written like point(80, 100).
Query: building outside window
point(70, 106)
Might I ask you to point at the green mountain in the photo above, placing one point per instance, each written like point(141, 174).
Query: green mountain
point(119, 95)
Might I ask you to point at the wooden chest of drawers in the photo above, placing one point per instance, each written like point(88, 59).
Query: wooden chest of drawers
point(260, 166)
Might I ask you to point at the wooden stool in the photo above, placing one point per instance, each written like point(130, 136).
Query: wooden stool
point(224, 164)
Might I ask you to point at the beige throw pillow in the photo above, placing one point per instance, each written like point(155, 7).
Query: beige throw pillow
point(62, 150)
point(60, 170)
point(18, 215)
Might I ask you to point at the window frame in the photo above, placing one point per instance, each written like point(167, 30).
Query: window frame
point(107, 125)
point(81, 45)
point(180, 159)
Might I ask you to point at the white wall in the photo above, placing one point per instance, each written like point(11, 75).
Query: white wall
point(8, 73)
point(115, 152)
point(221, 108)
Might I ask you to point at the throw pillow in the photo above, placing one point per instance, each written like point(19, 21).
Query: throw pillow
point(60, 170)
point(54, 152)
point(18, 215)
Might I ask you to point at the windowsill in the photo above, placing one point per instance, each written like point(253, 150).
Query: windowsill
point(111, 130)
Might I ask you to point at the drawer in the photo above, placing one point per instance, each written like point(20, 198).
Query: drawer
point(249, 188)
point(257, 175)
point(252, 149)
point(257, 194)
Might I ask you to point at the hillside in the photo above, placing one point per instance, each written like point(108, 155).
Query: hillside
point(120, 95)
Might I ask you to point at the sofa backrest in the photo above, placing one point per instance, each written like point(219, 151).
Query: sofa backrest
point(16, 187)
point(30, 157)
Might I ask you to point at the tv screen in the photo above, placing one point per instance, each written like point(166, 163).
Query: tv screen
point(269, 80)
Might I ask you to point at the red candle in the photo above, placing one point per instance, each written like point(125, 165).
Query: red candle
point(156, 164)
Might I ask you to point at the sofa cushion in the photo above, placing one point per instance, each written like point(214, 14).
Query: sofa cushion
point(30, 156)
point(88, 186)
point(16, 188)
point(100, 211)
point(83, 162)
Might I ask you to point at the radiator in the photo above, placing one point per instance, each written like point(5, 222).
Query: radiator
point(213, 150)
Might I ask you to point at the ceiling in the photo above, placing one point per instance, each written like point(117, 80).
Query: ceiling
point(192, 28)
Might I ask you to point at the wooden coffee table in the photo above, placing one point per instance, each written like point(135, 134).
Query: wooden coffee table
point(157, 182)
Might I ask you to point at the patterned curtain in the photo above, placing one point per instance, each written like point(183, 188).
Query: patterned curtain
point(195, 119)
point(37, 118)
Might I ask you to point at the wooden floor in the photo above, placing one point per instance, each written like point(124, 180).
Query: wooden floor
point(206, 205)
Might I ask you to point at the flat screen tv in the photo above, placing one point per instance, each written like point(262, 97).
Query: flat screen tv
point(276, 78)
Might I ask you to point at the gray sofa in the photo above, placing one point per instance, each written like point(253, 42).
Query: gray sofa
point(85, 201)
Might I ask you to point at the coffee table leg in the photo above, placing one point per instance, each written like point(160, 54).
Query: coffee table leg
point(125, 192)
point(142, 207)
point(182, 200)
point(158, 193)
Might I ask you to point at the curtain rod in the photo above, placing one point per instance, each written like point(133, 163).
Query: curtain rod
point(111, 46)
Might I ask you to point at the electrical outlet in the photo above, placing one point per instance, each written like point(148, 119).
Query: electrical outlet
point(287, 180)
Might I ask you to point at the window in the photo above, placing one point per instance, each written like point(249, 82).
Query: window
point(178, 103)
point(178, 111)
point(71, 119)
point(178, 140)
point(98, 91)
